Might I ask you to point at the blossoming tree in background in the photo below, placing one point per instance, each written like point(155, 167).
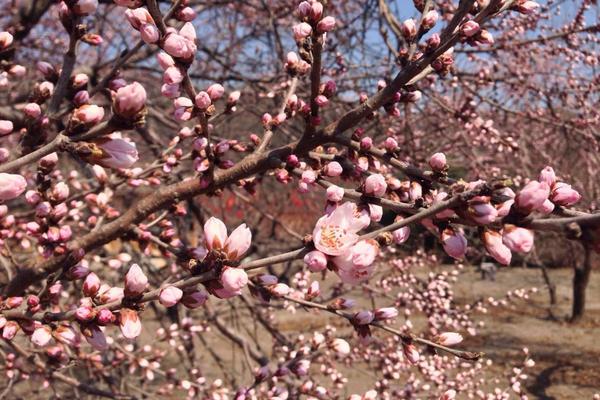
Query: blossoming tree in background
point(136, 136)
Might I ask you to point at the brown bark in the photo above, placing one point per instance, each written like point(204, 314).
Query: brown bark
point(581, 278)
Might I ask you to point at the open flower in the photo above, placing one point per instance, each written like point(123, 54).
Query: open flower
point(336, 232)
point(355, 265)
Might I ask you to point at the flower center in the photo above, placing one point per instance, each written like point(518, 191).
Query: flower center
point(332, 235)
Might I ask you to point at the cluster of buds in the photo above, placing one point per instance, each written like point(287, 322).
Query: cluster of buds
point(474, 35)
point(141, 20)
point(311, 15)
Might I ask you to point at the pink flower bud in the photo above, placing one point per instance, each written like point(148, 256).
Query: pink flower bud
point(66, 335)
point(411, 353)
point(170, 91)
point(129, 100)
point(517, 239)
point(341, 347)
point(194, 299)
point(178, 46)
point(333, 169)
point(82, 97)
point(41, 336)
point(321, 100)
point(437, 162)
point(415, 192)
point(449, 338)
point(136, 281)
point(279, 290)
point(11, 186)
point(302, 31)
point(84, 313)
point(547, 207)
point(526, 7)
point(430, 19)
point(203, 100)
point(532, 196)
point(80, 80)
point(130, 323)
point(95, 337)
point(409, 29)
point(391, 144)
point(234, 97)
point(335, 193)
point(366, 143)
point(6, 40)
point(492, 241)
point(238, 242)
point(454, 243)
point(315, 261)
point(469, 28)
point(326, 25)
point(10, 330)
point(88, 114)
point(116, 153)
point(363, 317)
point(547, 175)
point(215, 91)
point(91, 285)
point(105, 317)
point(375, 185)
point(386, 313)
point(6, 127)
point(170, 296)
point(32, 110)
point(309, 176)
point(564, 195)
point(164, 60)
point(401, 235)
point(149, 33)
point(234, 279)
point(316, 11)
point(485, 38)
point(186, 14)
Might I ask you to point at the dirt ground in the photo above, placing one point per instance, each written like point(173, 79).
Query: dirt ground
point(567, 356)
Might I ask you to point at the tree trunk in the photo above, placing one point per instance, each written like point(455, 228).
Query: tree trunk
point(581, 277)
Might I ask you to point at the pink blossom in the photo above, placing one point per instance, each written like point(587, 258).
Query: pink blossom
point(454, 243)
point(139, 17)
point(326, 24)
point(375, 212)
point(430, 19)
point(6, 40)
point(336, 232)
point(149, 33)
point(483, 213)
point(532, 196)
point(91, 285)
point(10, 330)
point(302, 31)
point(335, 193)
point(448, 395)
point(309, 176)
point(238, 242)
point(178, 46)
point(130, 323)
point(411, 353)
point(117, 153)
point(172, 75)
point(341, 347)
point(136, 281)
point(333, 169)
point(492, 241)
point(547, 175)
point(130, 100)
point(391, 144)
point(170, 91)
point(189, 32)
point(170, 296)
point(363, 317)
point(547, 207)
point(386, 313)
point(32, 110)
point(469, 28)
point(215, 233)
point(526, 7)
point(449, 338)
point(375, 185)
point(355, 265)
point(6, 127)
point(11, 186)
point(402, 234)
point(88, 114)
point(164, 60)
point(564, 195)
point(517, 239)
point(234, 279)
point(409, 29)
point(315, 261)
point(437, 162)
point(202, 100)
point(215, 91)
point(66, 335)
point(41, 336)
